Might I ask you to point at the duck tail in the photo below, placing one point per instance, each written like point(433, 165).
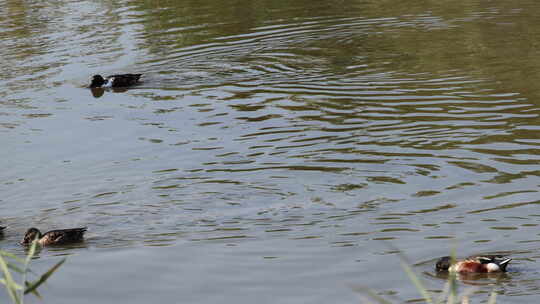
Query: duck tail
point(503, 264)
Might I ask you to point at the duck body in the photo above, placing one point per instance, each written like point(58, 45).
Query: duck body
point(475, 264)
point(115, 81)
point(54, 237)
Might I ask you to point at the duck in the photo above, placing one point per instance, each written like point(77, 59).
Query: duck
point(54, 237)
point(474, 264)
point(115, 81)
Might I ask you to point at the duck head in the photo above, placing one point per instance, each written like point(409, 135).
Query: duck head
point(97, 81)
point(443, 263)
point(30, 235)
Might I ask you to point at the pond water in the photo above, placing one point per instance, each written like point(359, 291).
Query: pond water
point(276, 151)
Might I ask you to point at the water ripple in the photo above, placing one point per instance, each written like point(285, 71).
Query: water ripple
point(325, 132)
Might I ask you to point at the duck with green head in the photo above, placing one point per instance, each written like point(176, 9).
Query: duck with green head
point(474, 264)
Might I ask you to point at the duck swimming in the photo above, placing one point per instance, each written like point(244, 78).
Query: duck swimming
point(54, 237)
point(115, 81)
point(475, 264)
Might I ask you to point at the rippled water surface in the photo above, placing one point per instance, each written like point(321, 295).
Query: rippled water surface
point(276, 151)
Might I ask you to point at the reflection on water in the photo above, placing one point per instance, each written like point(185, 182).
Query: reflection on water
point(296, 134)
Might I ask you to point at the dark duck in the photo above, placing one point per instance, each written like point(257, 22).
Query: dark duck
point(115, 81)
point(54, 237)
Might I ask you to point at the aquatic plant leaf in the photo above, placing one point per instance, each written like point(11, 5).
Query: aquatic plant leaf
point(417, 283)
point(452, 280)
point(443, 294)
point(11, 286)
point(31, 251)
point(17, 286)
point(492, 298)
point(44, 277)
point(34, 292)
point(11, 256)
point(15, 268)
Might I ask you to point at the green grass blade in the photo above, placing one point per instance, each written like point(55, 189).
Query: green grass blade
point(444, 294)
point(453, 290)
point(34, 292)
point(11, 286)
point(492, 298)
point(12, 266)
point(11, 256)
point(31, 251)
point(3, 282)
point(412, 276)
point(44, 277)
point(15, 268)
point(417, 283)
point(452, 280)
